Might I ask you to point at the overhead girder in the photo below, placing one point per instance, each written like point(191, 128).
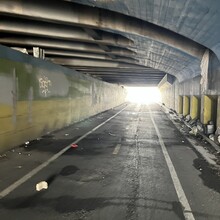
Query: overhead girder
point(124, 69)
point(62, 60)
point(43, 29)
point(50, 53)
point(89, 63)
point(108, 74)
point(127, 74)
point(126, 77)
point(74, 14)
point(139, 82)
point(66, 45)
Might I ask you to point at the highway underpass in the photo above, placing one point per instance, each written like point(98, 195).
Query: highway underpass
point(72, 146)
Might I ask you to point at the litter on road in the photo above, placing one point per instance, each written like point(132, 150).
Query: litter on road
point(43, 185)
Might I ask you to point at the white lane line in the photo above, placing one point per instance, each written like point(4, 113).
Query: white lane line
point(187, 211)
point(117, 148)
point(16, 184)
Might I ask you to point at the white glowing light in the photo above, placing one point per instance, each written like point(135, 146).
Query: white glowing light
point(143, 95)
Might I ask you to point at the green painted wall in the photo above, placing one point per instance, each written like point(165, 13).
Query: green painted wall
point(37, 96)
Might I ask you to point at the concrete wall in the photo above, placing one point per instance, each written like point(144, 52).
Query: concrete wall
point(37, 96)
point(170, 95)
point(193, 89)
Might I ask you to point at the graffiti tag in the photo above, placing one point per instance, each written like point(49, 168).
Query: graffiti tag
point(44, 83)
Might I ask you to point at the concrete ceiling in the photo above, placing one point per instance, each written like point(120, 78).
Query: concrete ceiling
point(127, 42)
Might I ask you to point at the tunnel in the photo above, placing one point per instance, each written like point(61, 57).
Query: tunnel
point(72, 143)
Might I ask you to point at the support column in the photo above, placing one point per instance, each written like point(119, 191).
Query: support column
point(194, 107)
point(186, 105)
point(180, 110)
point(206, 114)
point(218, 113)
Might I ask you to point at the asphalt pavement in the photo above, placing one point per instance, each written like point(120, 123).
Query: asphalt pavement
point(135, 166)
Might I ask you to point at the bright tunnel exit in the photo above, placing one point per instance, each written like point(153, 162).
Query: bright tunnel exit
point(143, 95)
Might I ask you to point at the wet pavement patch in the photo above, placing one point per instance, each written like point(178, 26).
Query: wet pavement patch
point(210, 176)
point(69, 170)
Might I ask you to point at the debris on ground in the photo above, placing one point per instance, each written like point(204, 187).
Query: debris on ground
point(111, 134)
point(74, 145)
point(210, 128)
point(212, 137)
point(194, 131)
point(3, 156)
point(193, 122)
point(200, 126)
point(66, 134)
point(43, 185)
point(188, 118)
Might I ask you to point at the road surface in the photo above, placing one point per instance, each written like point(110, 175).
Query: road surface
point(135, 166)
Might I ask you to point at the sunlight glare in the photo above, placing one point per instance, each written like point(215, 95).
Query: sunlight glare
point(143, 95)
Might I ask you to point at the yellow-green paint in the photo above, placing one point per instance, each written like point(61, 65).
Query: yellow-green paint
point(186, 105)
point(29, 107)
point(207, 109)
point(47, 115)
point(180, 110)
point(194, 107)
point(218, 113)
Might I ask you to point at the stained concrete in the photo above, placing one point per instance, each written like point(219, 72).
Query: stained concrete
point(37, 97)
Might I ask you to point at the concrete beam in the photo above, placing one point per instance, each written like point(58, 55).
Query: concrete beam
point(64, 61)
point(126, 74)
point(105, 48)
point(136, 69)
point(65, 45)
point(94, 34)
point(41, 29)
point(65, 53)
point(74, 14)
point(88, 63)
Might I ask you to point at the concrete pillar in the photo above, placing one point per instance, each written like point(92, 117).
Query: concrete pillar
point(186, 105)
point(218, 113)
point(180, 109)
point(194, 107)
point(206, 113)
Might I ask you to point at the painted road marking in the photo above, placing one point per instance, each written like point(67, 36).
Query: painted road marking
point(16, 184)
point(117, 148)
point(187, 211)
